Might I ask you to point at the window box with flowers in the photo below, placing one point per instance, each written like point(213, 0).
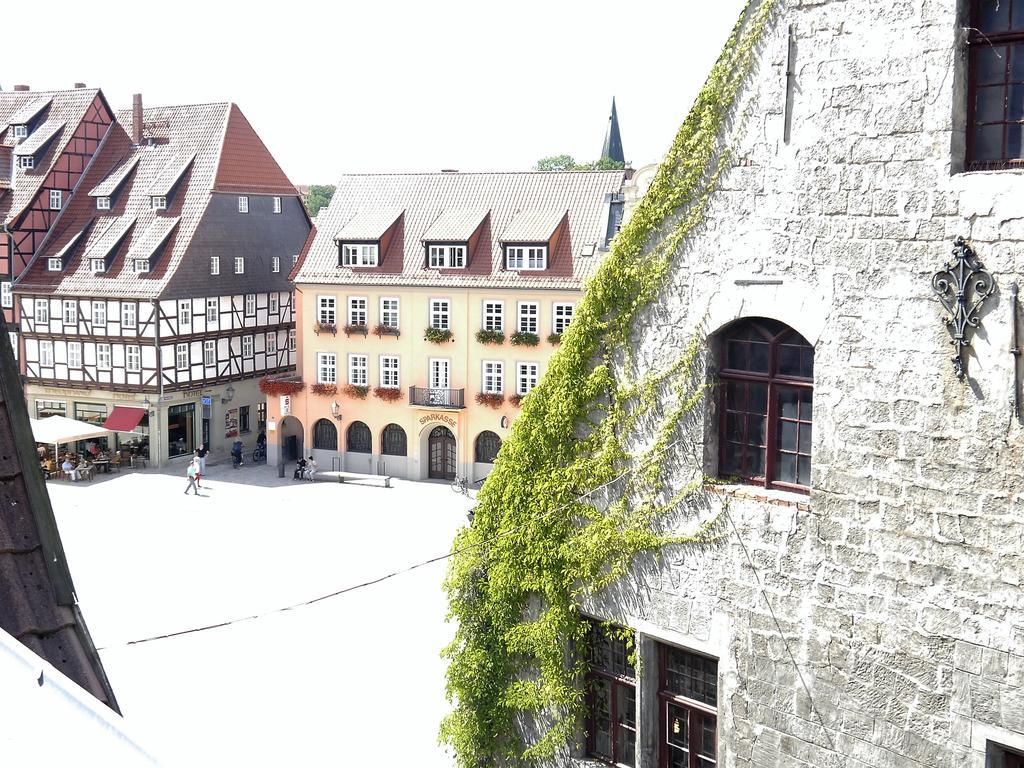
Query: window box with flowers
point(319, 328)
point(515, 400)
point(386, 330)
point(490, 399)
point(554, 338)
point(490, 337)
point(327, 390)
point(438, 335)
point(356, 328)
point(388, 394)
point(525, 339)
point(278, 387)
point(357, 391)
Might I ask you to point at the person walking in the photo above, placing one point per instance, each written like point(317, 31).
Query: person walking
point(201, 453)
point(190, 473)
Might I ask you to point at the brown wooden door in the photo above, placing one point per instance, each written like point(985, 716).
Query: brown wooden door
point(441, 447)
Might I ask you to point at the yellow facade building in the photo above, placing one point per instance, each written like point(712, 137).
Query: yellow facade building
point(427, 305)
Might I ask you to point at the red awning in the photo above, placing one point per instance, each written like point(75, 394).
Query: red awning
point(123, 419)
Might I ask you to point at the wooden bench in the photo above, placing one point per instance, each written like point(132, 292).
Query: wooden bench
point(342, 477)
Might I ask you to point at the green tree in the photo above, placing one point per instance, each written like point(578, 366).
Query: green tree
point(319, 196)
point(567, 163)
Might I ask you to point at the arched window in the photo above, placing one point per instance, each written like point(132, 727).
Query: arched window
point(767, 388)
point(359, 439)
point(325, 435)
point(392, 441)
point(487, 446)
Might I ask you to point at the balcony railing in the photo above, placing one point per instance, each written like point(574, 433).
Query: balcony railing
point(437, 398)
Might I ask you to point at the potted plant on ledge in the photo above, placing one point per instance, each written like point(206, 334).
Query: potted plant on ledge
point(515, 400)
point(357, 390)
point(319, 328)
point(554, 338)
point(327, 390)
point(525, 339)
point(438, 335)
point(278, 387)
point(356, 328)
point(485, 336)
point(388, 394)
point(490, 399)
point(386, 330)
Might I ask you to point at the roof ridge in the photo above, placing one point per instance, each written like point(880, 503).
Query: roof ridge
point(484, 173)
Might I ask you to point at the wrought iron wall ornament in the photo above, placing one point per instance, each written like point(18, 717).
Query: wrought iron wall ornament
point(962, 286)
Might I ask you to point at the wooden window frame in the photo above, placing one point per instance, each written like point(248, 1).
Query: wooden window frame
point(616, 680)
point(493, 382)
point(443, 255)
point(390, 375)
point(70, 311)
point(129, 315)
point(104, 357)
point(359, 254)
point(270, 343)
point(363, 435)
point(56, 199)
point(774, 382)
point(384, 311)
point(443, 311)
point(324, 305)
point(391, 444)
point(133, 358)
point(42, 311)
point(184, 312)
point(697, 711)
point(358, 363)
point(485, 457)
point(54, 264)
point(99, 313)
point(6, 294)
point(75, 361)
point(493, 312)
point(326, 368)
point(26, 162)
point(250, 304)
point(325, 435)
point(560, 317)
point(358, 315)
point(209, 352)
point(248, 346)
point(181, 355)
point(215, 265)
point(20, 131)
point(520, 376)
point(534, 316)
point(46, 344)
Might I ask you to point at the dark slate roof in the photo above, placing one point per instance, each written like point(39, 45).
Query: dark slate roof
point(37, 597)
point(612, 148)
point(523, 207)
point(200, 147)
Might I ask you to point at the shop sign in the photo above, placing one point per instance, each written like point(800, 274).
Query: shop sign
point(286, 404)
point(442, 417)
point(231, 423)
point(207, 399)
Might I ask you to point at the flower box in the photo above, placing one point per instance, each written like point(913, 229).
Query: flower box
point(357, 391)
point(490, 399)
point(319, 328)
point(388, 394)
point(554, 338)
point(525, 339)
point(278, 387)
point(515, 400)
point(438, 335)
point(490, 337)
point(386, 330)
point(356, 328)
point(327, 390)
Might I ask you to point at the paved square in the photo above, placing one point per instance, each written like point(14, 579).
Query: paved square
point(353, 680)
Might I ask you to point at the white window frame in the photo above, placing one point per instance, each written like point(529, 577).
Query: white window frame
point(20, 131)
point(103, 203)
point(158, 202)
point(184, 312)
point(248, 346)
point(527, 321)
point(446, 255)
point(103, 357)
point(292, 336)
point(277, 206)
point(214, 304)
point(445, 365)
point(215, 265)
point(326, 368)
point(128, 315)
point(275, 264)
point(26, 162)
point(440, 315)
point(70, 309)
point(243, 204)
point(54, 264)
point(327, 310)
point(46, 353)
point(97, 266)
point(390, 315)
point(358, 314)
point(42, 312)
point(74, 354)
point(56, 199)
point(274, 304)
point(492, 377)
point(562, 313)
point(181, 357)
point(99, 313)
point(270, 343)
point(526, 258)
point(390, 371)
point(239, 265)
point(133, 358)
point(493, 315)
point(523, 372)
point(250, 305)
point(13, 338)
point(209, 352)
point(358, 375)
point(6, 294)
point(360, 254)
point(141, 266)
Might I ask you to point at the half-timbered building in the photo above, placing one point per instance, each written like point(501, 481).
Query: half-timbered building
point(47, 139)
point(162, 293)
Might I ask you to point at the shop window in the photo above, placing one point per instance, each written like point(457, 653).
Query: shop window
point(393, 441)
point(243, 419)
point(487, 446)
point(181, 429)
point(611, 696)
point(767, 386)
point(358, 438)
point(325, 435)
point(46, 408)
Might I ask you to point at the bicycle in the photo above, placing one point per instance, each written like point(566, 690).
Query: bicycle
point(259, 453)
point(462, 485)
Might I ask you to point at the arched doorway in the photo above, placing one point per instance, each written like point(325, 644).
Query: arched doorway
point(441, 454)
point(291, 438)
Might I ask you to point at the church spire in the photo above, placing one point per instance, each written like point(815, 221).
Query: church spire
point(612, 149)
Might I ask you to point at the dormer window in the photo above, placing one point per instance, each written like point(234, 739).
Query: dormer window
point(97, 266)
point(446, 256)
point(20, 131)
point(359, 254)
point(26, 161)
point(54, 264)
point(102, 203)
point(526, 257)
point(141, 266)
point(158, 203)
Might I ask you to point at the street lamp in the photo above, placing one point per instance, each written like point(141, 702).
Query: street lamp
point(230, 392)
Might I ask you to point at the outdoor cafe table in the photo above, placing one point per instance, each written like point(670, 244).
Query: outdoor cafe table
point(102, 465)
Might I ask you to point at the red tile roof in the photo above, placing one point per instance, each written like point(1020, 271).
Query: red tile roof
point(246, 165)
point(524, 204)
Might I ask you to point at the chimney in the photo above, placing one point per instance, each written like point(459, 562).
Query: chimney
point(22, 88)
point(79, 85)
point(137, 119)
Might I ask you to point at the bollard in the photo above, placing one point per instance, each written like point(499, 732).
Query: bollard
point(280, 467)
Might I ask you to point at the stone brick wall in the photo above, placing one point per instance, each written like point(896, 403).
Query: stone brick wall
point(897, 583)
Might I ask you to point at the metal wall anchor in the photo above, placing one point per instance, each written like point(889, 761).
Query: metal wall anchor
point(1015, 350)
point(962, 286)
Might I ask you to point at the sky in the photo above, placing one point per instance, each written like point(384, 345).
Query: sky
point(396, 85)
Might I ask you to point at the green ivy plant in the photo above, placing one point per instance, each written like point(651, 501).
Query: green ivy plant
point(538, 546)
